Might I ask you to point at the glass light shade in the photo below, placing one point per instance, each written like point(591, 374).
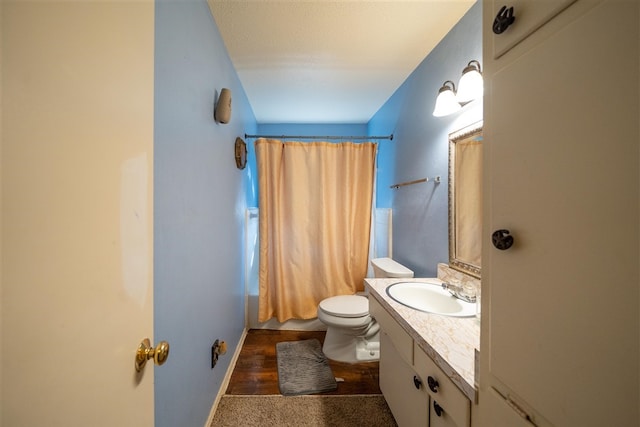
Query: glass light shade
point(471, 85)
point(446, 102)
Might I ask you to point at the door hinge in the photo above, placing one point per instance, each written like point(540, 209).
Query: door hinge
point(516, 407)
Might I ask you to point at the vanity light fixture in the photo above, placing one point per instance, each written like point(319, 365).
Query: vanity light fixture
point(446, 102)
point(471, 85)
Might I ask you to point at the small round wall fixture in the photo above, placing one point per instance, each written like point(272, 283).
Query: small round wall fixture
point(241, 153)
point(222, 111)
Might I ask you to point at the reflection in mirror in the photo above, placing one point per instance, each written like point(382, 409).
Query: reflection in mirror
point(465, 199)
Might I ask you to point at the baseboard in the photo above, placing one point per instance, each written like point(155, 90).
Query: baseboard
point(227, 378)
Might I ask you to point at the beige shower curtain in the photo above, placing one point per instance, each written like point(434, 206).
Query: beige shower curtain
point(468, 198)
point(315, 218)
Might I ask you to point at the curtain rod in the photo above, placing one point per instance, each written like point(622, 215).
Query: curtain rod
point(389, 137)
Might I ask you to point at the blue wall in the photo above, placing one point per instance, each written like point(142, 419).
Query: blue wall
point(199, 204)
point(313, 129)
point(420, 148)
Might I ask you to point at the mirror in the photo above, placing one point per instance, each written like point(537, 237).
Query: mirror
point(465, 199)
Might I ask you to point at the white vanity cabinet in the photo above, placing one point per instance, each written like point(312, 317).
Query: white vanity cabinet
point(402, 387)
point(560, 331)
point(418, 392)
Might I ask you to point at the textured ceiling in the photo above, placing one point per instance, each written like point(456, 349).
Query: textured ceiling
point(329, 61)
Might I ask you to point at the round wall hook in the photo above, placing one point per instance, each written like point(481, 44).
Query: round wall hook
point(241, 153)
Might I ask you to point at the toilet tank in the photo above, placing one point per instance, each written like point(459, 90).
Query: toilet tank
point(386, 267)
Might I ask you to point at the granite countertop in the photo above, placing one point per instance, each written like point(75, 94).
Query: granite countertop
point(450, 341)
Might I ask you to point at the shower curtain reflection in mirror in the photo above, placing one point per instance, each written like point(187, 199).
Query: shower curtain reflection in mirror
point(315, 201)
point(465, 200)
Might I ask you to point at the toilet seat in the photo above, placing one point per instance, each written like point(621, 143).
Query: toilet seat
point(345, 306)
point(355, 323)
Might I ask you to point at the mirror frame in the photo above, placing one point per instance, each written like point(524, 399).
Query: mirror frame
point(471, 131)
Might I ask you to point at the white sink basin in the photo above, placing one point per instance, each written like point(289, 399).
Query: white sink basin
point(431, 298)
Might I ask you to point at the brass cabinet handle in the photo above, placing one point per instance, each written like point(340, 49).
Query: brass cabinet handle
point(159, 354)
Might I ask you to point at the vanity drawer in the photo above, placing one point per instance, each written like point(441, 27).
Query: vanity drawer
point(455, 404)
point(401, 340)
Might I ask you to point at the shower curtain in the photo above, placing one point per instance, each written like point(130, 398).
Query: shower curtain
point(468, 198)
point(315, 216)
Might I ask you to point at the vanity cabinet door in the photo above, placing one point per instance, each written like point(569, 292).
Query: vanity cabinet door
point(401, 340)
point(560, 307)
point(449, 406)
point(402, 388)
point(439, 417)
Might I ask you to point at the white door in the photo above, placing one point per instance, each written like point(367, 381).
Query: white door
point(561, 334)
point(77, 229)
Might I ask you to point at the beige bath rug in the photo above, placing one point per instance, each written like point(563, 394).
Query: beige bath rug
point(307, 411)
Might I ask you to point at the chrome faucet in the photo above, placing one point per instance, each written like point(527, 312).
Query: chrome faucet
point(459, 292)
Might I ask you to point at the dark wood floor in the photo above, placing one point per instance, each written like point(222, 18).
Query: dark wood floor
point(256, 371)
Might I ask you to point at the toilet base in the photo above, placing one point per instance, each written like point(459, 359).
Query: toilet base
point(368, 350)
point(350, 349)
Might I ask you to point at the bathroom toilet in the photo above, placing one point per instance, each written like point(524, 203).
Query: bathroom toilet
point(352, 334)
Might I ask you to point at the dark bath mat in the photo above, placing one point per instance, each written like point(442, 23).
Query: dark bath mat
point(303, 368)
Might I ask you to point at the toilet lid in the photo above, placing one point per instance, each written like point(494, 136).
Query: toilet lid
point(391, 268)
point(346, 306)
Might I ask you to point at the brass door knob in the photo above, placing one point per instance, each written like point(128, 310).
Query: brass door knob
point(159, 354)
